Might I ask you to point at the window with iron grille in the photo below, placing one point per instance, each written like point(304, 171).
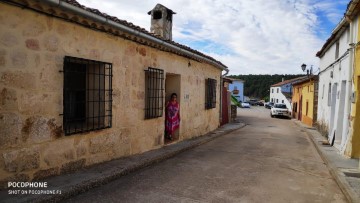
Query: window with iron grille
point(154, 91)
point(210, 93)
point(87, 95)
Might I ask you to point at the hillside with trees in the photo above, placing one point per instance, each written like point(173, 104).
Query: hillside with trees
point(258, 86)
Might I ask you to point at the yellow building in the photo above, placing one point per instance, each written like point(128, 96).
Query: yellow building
point(304, 100)
point(354, 142)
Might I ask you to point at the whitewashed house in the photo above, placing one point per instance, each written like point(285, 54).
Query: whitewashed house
point(282, 92)
point(335, 83)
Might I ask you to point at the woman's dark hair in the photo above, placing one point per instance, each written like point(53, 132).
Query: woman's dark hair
point(173, 94)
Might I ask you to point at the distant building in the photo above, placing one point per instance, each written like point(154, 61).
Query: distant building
point(282, 92)
point(304, 100)
point(237, 89)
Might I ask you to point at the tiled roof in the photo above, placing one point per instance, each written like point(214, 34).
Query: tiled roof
point(288, 81)
point(131, 25)
point(313, 77)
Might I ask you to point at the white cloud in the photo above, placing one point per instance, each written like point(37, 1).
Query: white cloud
point(253, 36)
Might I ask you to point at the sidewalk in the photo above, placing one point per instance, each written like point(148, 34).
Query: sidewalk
point(95, 176)
point(345, 171)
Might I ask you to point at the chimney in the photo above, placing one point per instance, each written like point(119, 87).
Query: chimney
point(161, 21)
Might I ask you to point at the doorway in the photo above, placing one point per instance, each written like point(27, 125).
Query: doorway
point(341, 116)
point(332, 129)
point(300, 109)
point(172, 85)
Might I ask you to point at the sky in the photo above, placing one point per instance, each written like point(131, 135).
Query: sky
point(248, 36)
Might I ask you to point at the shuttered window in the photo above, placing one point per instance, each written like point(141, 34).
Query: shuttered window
point(210, 93)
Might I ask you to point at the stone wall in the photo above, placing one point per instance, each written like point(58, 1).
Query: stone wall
point(32, 142)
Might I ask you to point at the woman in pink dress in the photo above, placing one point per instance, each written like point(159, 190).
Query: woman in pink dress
point(172, 116)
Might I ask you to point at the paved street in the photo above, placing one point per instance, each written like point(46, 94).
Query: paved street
point(269, 160)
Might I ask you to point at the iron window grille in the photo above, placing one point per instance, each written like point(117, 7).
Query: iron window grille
point(154, 91)
point(87, 95)
point(210, 93)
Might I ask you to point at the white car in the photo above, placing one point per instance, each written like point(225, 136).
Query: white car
point(245, 105)
point(280, 110)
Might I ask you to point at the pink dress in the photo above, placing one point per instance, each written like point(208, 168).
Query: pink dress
point(172, 119)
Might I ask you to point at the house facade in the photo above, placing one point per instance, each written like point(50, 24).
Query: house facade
point(337, 79)
point(282, 92)
point(80, 87)
point(237, 89)
point(304, 100)
point(355, 105)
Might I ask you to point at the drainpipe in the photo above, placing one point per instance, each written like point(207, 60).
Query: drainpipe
point(87, 14)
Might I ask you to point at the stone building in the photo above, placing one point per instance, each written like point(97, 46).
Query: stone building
point(79, 87)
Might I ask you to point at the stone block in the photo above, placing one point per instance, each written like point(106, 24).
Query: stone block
point(19, 59)
point(2, 57)
point(10, 130)
point(51, 43)
point(9, 39)
point(72, 166)
point(81, 148)
point(8, 99)
point(142, 51)
point(16, 18)
point(39, 129)
point(34, 29)
point(94, 54)
point(14, 178)
point(130, 50)
point(39, 103)
point(103, 143)
point(58, 152)
point(18, 79)
point(22, 160)
point(46, 173)
point(32, 44)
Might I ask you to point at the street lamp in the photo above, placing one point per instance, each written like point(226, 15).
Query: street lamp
point(308, 71)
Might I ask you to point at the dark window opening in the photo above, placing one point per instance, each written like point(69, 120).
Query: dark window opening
point(154, 91)
point(307, 107)
point(295, 107)
point(169, 15)
point(157, 15)
point(329, 95)
point(210, 94)
point(337, 50)
point(87, 95)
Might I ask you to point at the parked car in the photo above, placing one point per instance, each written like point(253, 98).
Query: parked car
point(253, 102)
point(268, 105)
point(260, 103)
point(245, 105)
point(280, 110)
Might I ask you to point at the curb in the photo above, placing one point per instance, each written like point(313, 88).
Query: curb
point(343, 184)
point(95, 176)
